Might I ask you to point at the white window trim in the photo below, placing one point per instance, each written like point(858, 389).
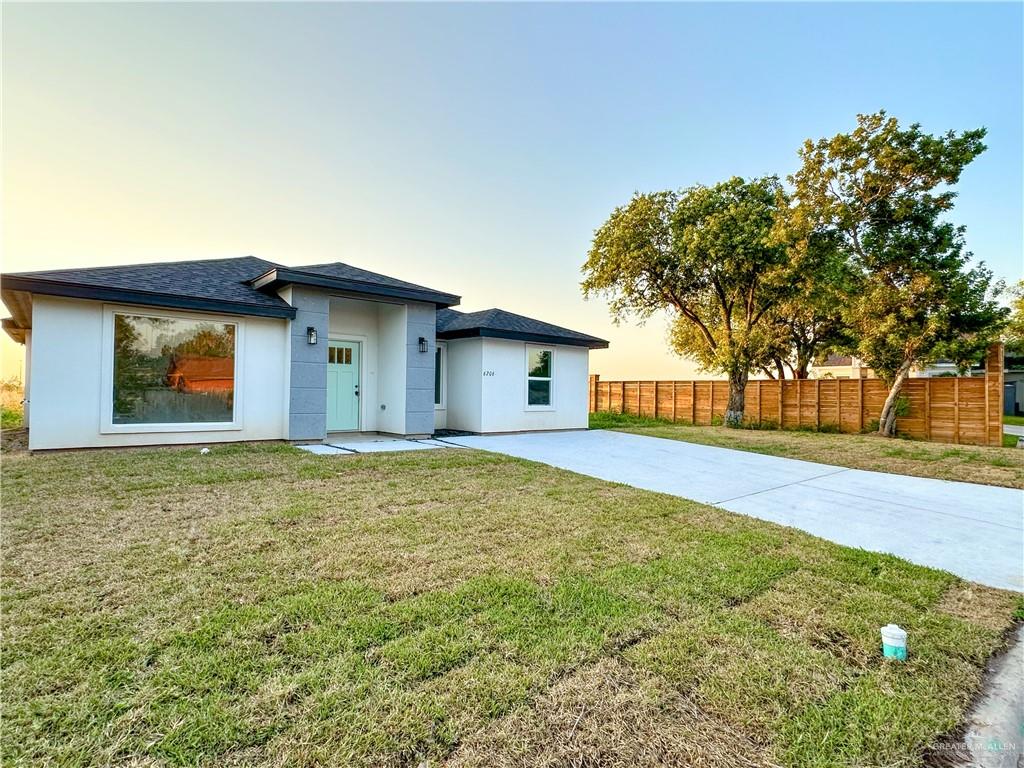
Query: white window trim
point(107, 425)
point(551, 390)
point(443, 405)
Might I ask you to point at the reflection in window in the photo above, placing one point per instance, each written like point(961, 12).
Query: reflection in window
point(538, 376)
point(173, 371)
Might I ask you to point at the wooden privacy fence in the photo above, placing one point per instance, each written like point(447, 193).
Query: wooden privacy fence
point(942, 409)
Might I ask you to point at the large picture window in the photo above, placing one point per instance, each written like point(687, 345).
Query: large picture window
point(170, 370)
point(539, 375)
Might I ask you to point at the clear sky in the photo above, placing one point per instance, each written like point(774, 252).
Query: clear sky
point(471, 148)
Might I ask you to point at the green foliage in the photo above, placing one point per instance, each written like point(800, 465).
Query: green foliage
point(10, 418)
point(882, 190)
point(706, 255)
point(1015, 326)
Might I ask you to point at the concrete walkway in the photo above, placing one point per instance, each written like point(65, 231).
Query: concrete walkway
point(975, 531)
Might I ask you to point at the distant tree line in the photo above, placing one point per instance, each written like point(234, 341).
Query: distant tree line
point(853, 256)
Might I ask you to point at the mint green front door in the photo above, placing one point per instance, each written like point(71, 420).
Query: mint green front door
point(342, 386)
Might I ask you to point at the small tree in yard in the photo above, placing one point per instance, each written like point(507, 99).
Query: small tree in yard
point(706, 255)
point(882, 190)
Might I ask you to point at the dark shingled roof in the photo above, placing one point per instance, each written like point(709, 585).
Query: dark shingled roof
point(216, 281)
point(216, 285)
point(499, 324)
point(344, 277)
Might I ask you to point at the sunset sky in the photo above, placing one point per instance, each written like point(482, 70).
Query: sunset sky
point(470, 148)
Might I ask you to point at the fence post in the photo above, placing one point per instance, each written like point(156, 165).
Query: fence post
point(622, 396)
point(593, 392)
point(639, 407)
point(673, 401)
point(759, 382)
point(994, 369)
point(781, 381)
point(693, 401)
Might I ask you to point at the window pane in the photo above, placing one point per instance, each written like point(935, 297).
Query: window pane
point(332, 355)
point(540, 363)
point(538, 393)
point(437, 376)
point(172, 371)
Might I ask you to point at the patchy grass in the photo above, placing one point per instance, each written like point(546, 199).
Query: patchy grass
point(263, 606)
point(10, 418)
point(967, 463)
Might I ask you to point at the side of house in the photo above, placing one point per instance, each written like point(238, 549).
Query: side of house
point(244, 349)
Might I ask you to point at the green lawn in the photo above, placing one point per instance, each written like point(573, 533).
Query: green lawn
point(263, 606)
point(968, 463)
point(1017, 421)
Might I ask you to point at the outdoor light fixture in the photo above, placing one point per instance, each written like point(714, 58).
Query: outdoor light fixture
point(311, 335)
point(423, 343)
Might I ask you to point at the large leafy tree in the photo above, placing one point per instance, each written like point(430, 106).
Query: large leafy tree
point(708, 256)
point(882, 190)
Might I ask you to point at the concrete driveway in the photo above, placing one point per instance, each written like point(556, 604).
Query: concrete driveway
point(975, 531)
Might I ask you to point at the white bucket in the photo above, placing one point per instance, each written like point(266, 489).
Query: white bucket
point(894, 642)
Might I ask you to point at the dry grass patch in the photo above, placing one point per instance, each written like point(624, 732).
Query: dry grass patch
point(613, 716)
point(967, 463)
point(263, 606)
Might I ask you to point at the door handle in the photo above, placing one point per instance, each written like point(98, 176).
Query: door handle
point(357, 390)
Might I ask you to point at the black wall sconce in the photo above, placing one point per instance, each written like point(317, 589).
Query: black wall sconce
point(311, 335)
point(423, 343)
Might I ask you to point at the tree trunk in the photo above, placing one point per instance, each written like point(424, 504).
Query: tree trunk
point(887, 418)
point(737, 394)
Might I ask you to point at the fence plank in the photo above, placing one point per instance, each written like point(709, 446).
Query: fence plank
point(956, 410)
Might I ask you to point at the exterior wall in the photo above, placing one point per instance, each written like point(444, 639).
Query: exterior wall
point(419, 382)
point(27, 387)
point(392, 363)
point(307, 382)
point(464, 381)
point(69, 385)
point(503, 398)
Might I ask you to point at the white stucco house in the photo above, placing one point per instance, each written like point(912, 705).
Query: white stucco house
point(244, 349)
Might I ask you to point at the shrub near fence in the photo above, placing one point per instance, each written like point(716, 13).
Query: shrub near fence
point(943, 409)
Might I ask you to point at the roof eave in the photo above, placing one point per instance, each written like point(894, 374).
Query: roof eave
point(279, 278)
point(539, 338)
point(144, 298)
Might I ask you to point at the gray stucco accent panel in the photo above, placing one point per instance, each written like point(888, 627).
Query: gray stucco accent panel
point(419, 378)
point(307, 412)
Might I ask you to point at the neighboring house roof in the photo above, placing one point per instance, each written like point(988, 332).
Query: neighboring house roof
point(245, 285)
point(499, 324)
point(344, 277)
point(200, 373)
point(836, 360)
